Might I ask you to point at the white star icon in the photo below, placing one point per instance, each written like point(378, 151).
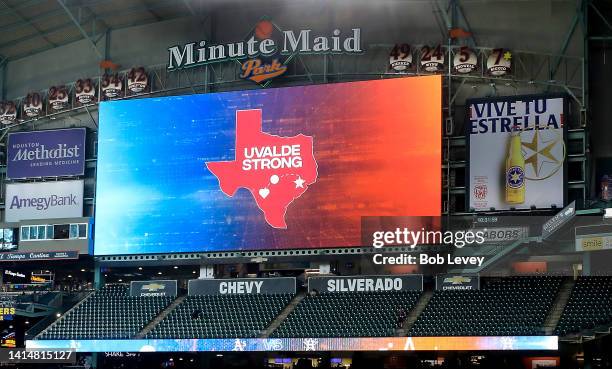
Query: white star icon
point(299, 183)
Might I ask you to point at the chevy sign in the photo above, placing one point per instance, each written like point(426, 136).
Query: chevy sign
point(43, 200)
point(158, 288)
point(46, 153)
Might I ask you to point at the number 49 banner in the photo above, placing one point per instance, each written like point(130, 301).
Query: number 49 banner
point(517, 152)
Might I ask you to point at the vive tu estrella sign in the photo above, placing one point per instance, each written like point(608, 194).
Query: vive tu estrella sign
point(266, 51)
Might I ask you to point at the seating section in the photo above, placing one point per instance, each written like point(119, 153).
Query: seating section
point(221, 316)
point(347, 314)
point(508, 306)
point(108, 314)
point(589, 305)
point(503, 306)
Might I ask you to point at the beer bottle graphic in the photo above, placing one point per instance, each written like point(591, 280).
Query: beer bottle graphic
point(515, 170)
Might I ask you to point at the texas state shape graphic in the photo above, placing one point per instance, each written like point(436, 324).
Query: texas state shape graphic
point(276, 170)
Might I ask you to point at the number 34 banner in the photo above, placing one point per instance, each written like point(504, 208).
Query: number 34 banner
point(517, 152)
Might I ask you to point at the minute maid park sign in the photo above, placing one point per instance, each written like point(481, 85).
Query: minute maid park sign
point(266, 51)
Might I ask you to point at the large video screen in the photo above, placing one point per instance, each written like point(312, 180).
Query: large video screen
point(294, 167)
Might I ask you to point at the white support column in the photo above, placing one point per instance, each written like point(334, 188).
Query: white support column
point(207, 272)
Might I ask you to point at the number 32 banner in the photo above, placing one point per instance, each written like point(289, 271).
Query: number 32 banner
point(517, 152)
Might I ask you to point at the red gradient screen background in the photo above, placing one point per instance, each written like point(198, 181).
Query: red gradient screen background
point(378, 147)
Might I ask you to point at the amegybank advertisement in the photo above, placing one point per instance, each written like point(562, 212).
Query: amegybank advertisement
point(51, 153)
point(517, 152)
point(43, 200)
point(267, 169)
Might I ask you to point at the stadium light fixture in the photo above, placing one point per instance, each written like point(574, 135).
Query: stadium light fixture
point(159, 273)
point(58, 315)
point(175, 267)
point(139, 268)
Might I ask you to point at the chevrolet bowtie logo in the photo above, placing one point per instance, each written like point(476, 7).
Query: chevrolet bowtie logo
point(457, 280)
point(153, 287)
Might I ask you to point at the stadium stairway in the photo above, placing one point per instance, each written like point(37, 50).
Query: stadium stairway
point(414, 313)
point(283, 314)
point(558, 306)
point(109, 313)
point(164, 313)
point(76, 306)
point(492, 254)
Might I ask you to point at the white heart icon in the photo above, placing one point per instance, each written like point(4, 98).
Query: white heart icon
point(264, 192)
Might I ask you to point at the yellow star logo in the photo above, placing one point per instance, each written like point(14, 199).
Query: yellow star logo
point(507, 55)
point(539, 154)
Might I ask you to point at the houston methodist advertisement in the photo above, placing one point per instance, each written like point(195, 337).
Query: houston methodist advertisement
point(268, 169)
point(517, 152)
point(53, 153)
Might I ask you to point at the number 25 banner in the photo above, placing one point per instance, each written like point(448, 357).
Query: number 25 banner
point(517, 152)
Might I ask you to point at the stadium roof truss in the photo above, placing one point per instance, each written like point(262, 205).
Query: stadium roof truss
point(32, 26)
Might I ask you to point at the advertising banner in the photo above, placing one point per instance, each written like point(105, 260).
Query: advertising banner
point(266, 169)
point(53, 153)
point(594, 242)
point(43, 200)
point(242, 286)
point(559, 220)
point(362, 283)
point(166, 288)
point(497, 343)
point(41, 255)
point(503, 234)
point(10, 276)
point(457, 282)
point(516, 152)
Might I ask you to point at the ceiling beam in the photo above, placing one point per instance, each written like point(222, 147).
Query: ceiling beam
point(80, 28)
point(26, 21)
point(603, 18)
point(566, 42)
point(189, 7)
point(99, 17)
point(150, 11)
point(49, 31)
point(75, 39)
point(59, 11)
